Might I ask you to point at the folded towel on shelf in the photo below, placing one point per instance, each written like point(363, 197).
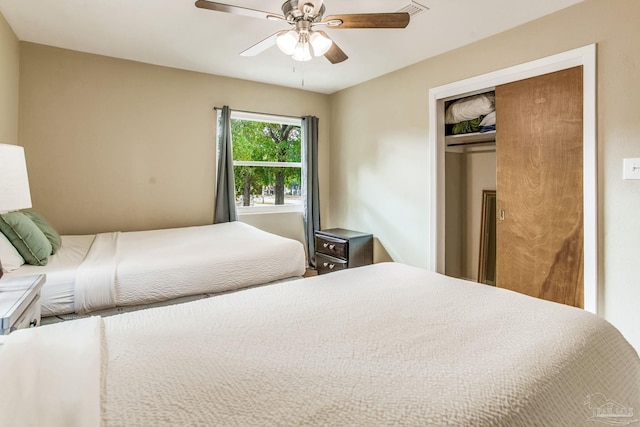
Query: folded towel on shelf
point(467, 126)
point(470, 108)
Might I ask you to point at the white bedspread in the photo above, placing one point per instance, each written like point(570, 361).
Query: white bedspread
point(381, 345)
point(124, 269)
point(58, 292)
point(52, 376)
point(96, 276)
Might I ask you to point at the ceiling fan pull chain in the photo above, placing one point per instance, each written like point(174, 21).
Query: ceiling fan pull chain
point(301, 70)
point(302, 67)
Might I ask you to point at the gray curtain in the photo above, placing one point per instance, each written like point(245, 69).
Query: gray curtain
point(310, 194)
point(225, 203)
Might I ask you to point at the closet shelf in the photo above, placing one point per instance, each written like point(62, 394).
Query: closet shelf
point(470, 141)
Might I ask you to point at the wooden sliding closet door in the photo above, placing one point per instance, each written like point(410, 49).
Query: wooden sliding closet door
point(539, 148)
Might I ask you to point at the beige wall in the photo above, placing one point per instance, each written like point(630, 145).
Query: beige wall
point(467, 176)
point(286, 224)
point(9, 78)
point(380, 146)
point(120, 145)
point(481, 175)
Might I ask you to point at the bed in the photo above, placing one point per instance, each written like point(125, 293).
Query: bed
point(386, 344)
point(115, 271)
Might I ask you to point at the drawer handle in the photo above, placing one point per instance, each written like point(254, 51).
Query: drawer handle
point(327, 245)
point(331, 266)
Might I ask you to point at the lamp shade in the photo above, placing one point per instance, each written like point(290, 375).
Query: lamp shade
point(320, 44)
point(302, 51)
point(287, 41)
point(14, 182)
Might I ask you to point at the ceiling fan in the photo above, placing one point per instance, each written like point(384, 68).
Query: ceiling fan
point(300, 41)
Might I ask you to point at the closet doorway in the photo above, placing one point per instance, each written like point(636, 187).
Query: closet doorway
point(584, 58)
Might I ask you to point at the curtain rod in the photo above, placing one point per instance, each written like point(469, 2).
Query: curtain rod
point(264, 114)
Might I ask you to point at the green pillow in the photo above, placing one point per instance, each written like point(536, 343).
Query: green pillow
point(52, 235)
point(26, 237)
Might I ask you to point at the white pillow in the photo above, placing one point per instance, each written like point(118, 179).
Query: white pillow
point(470, 108)
point(9, 255)
point(489, 120)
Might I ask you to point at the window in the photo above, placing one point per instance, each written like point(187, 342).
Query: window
point(266, 162)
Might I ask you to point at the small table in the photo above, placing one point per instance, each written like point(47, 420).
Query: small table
point(20, 302)
point(338, 249)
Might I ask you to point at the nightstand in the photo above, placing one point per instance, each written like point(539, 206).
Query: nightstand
point(20, 302)
point(338, 249)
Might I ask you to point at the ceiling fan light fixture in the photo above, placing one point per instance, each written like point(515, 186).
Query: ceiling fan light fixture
point(287, 42)
point(320, 43)
point(302, 52)
point(302, 41)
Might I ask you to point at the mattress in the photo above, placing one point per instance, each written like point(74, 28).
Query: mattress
point(386, 344)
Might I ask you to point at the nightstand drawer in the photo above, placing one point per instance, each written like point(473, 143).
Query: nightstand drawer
point(30, 318)
point(338, 248)
point(20, 302)
point(331, 246)
point(327, 264)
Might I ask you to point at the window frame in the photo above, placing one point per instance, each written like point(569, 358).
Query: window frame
point(269, 118)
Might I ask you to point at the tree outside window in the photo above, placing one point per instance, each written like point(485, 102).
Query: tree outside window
point(267, 161)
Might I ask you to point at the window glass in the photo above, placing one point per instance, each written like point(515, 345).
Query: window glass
point(266, 161)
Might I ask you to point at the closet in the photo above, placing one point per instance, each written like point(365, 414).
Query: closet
point(533, 161)
point(470, 167)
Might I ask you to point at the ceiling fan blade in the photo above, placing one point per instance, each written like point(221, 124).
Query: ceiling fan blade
point(335, 55)
point(368, 20)
point(237, 10)
point(261, 46)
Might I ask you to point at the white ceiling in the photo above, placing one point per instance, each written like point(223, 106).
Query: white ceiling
point(175, 33)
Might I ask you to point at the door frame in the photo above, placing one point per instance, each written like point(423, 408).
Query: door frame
point(584, 56)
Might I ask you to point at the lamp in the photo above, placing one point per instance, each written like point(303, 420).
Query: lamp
point(302, 51)
point(287, 41)
point(14, 182)
point(320, 43)
point(300, 42)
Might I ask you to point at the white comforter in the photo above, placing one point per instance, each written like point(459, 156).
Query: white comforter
point(52, 375)
point(124, 269)
point(381, 345)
